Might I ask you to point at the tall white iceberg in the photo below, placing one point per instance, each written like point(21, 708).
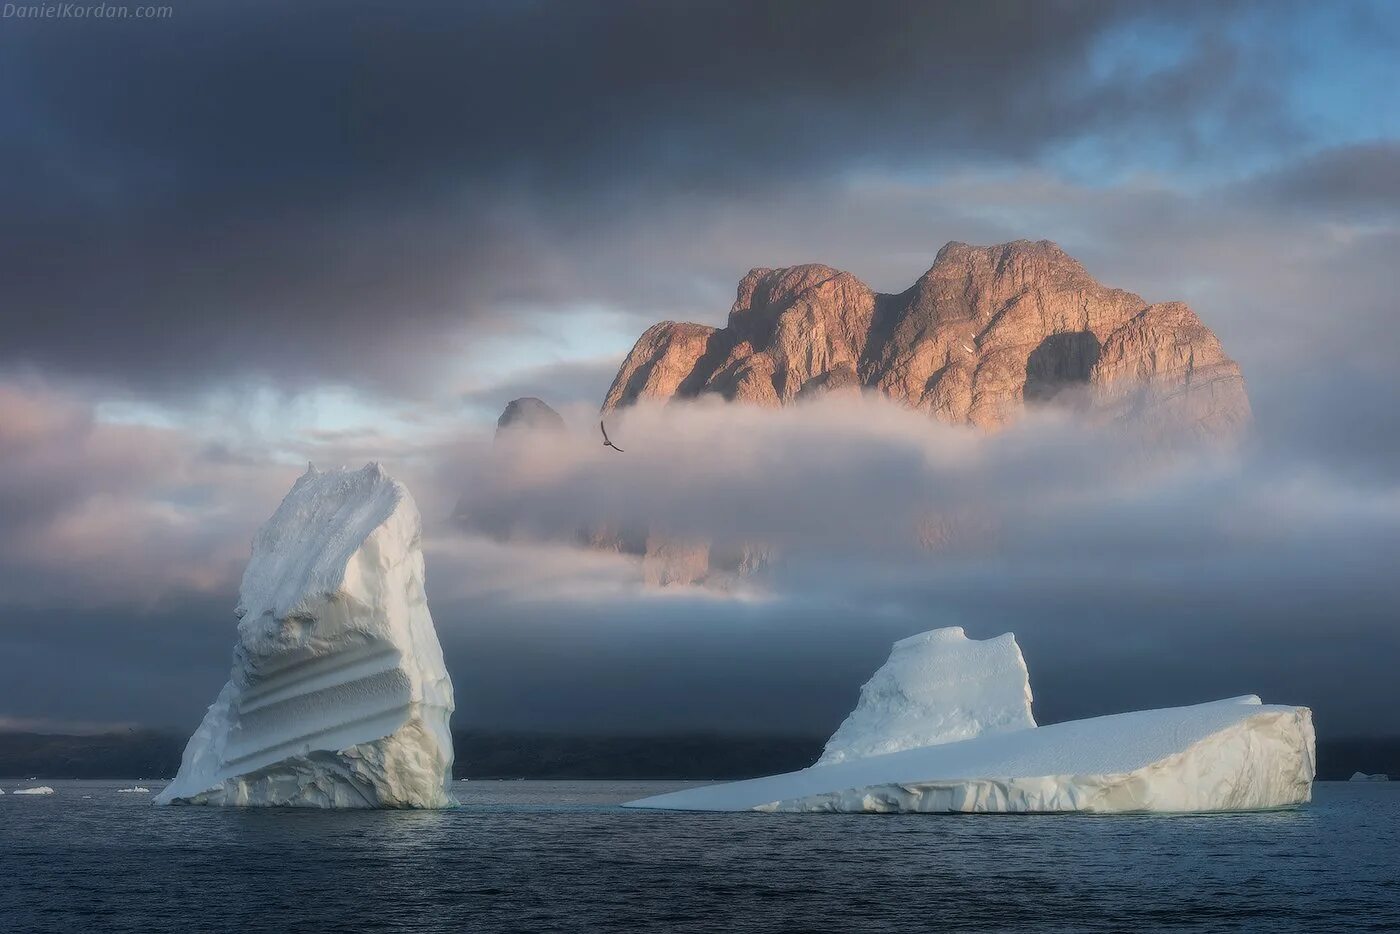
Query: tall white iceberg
point(1236, 754)
point(338, 696)
point(937, 687)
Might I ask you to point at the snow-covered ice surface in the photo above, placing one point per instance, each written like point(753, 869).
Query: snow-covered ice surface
point(1224, 756)
point(1229, 755)
point(40, 790)
point(937, 687)
point(338, 695)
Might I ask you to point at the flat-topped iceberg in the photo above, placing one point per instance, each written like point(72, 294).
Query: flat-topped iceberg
point(937, 687)
point(338, 695)
point(1229, 755)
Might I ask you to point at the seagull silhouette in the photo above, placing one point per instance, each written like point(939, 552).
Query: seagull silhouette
point(607, 443)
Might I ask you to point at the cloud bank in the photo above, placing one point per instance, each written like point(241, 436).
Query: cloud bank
point(255, 189)
point(1135, 572)
point(251, 236)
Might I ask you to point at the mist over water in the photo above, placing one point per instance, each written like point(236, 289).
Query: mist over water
point(1137, 569)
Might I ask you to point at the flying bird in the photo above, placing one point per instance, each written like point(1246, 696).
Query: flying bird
point(607, 442)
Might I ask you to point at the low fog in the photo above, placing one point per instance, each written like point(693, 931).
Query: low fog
point(1135, 570)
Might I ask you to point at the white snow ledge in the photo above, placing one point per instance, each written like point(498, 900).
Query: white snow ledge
point(1230, 755)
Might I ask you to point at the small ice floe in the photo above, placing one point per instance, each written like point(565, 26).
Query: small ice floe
point(134, 790)
point(36, 790)
point(1363, 777)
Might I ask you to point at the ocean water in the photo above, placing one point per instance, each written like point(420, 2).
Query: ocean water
point(562, 856)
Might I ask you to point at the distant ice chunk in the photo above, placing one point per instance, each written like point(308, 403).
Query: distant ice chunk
point(937, 687)
point(37, 790)
point(134, 790)
point(1374, 777)
point(1236, 754)
point(338, 695)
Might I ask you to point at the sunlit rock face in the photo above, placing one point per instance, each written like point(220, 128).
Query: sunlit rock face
point(985, 332)
point(338, 695)
point(945, 726)
point(1165, 369)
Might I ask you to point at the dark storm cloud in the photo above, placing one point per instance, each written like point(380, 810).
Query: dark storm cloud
point(152, 667)
point(270, 189)
point(1094, 646)
point(1361, 181)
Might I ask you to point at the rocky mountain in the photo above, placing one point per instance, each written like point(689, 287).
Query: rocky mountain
point(985, 332)
point(530, 414)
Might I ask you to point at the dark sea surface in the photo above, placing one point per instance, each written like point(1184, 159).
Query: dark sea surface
point(562, 856)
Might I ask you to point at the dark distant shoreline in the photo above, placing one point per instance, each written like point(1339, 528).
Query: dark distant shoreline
point(503, 754)
point(479, 754)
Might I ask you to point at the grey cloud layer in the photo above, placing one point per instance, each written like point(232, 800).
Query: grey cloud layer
point(1133, 575)
point(269, 189)
point(100, 514)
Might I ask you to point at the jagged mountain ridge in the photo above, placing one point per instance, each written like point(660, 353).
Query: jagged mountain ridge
point(983, 332)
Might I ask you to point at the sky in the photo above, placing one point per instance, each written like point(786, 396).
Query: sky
point(248, 236)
